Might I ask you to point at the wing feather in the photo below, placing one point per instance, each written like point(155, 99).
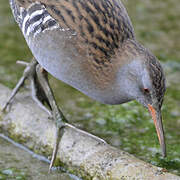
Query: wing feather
point(102, 24)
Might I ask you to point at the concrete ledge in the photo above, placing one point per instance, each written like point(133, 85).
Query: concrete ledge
point(81, 153)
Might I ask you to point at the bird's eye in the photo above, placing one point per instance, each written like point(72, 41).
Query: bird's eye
point(146, 90)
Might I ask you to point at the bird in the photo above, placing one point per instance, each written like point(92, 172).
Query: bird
point(91, 46)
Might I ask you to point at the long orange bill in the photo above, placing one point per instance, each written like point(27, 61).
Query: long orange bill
point(156, 116)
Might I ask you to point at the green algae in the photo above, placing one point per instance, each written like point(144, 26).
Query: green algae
point(128, 126)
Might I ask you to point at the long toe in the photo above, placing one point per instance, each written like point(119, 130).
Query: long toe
point(28, 72)
point(59, 134)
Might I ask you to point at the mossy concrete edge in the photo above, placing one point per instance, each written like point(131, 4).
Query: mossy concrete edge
point(80, 152)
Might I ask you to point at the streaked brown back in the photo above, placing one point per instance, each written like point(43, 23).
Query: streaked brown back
point(102, 24)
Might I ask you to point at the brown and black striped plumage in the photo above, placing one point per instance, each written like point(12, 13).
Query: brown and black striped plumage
point(103, 24)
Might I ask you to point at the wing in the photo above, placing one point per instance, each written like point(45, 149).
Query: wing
point(102, 24)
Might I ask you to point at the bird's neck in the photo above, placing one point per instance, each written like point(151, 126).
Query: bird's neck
point(129, 51)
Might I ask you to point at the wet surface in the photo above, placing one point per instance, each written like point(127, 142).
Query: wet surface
point(128, 126)
point(16, 163)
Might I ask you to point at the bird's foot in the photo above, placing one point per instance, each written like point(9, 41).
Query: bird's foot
point(29, 71)
point(41, 93)
point(58, 116)
point(37, 93)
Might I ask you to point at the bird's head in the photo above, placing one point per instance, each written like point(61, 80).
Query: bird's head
point(143, 80)
point(153, 89)
point(151, 93)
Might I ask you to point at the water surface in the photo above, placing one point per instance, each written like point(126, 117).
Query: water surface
point(16, 163)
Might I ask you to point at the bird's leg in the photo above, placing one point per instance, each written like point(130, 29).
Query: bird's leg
point(41, 92)
point(58, 116)
point(37, 92)
point(39, 95)
point(29, 71)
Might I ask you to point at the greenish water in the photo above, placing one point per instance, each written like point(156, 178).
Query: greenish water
point(128, 126)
